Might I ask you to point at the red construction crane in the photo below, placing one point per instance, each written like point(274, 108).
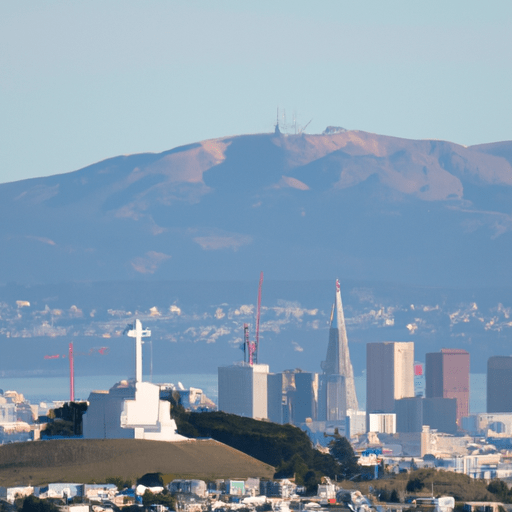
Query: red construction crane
point(258, 315)
point(71, 374)
point(251, 346)
point(101, 350)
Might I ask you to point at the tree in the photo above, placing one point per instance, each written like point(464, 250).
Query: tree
point(414, 484)
point(394, 498)
point(163, 498)
point(500, 489)
point(118, 482)
point(33, 504)
point(311, 481)
point(294, 468)
point(344, 454)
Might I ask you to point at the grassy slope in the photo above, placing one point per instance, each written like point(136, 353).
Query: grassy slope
point(88, 460)
point(444, 483)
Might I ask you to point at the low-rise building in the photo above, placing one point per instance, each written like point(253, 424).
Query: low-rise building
point(99, 491)
point(482, 506)
point(196, 487)
point(277, 488)
point(10, 494)
point(59, 490)
point(235, 487)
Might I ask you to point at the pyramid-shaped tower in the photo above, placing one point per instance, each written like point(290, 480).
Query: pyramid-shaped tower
point(337, 365)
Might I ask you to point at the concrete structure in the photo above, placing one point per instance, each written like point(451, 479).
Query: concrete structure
point(131, 409)
point(499, 384)
point(447, 376)
point(243, 390)
point(389, 374)
point(338, 391)
point(438, 413)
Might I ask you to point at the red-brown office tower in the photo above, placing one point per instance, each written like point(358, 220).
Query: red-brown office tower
point(447, 376)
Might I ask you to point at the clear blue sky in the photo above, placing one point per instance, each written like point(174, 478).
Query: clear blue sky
point(83, 81)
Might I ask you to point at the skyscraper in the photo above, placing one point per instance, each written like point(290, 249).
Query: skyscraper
point(338, 389)
point(292, 396)
point(447, 376)
point(243, 389)
point(499, 384)
point(389, 374)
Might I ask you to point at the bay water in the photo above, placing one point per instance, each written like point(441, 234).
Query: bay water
point(38, 389)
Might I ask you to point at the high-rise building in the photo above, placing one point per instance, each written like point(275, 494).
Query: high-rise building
point(499, 384)
point(447, 376)
point(389, 374)
point(243, 390)
point(438, 413)
point(292, 396)
point(338, 391)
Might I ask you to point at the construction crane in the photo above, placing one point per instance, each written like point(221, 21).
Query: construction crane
point(71, 373)
point(101, 350)
point(305, 126)
point(258, 315)
point(250, 346)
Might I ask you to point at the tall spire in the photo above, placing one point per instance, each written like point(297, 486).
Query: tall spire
point(337, 361)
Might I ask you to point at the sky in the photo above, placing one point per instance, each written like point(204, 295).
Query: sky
point(85, 81)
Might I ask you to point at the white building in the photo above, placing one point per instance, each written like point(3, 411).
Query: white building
point(10, 494)
point(481, 423)
point(382, 423)
point(243, 390)
point(197, 487)
point(130, 409)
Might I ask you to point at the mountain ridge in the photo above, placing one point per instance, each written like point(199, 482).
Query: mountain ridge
point(230, 206)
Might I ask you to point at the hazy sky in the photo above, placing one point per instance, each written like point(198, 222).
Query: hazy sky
point(83, 81)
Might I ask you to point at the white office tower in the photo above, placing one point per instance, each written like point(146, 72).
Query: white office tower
point(338, 391)
point(130, 409)
point(243, 390)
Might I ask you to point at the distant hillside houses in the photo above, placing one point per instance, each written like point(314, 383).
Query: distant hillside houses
point(18, 417)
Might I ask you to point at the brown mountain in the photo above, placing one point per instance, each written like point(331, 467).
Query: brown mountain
point(349, 203)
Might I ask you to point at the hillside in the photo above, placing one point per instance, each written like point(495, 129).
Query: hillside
point(85, 460)
point(348, 204)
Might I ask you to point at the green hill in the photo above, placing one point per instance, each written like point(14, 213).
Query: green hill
point(94, 460)
point(286, 447)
